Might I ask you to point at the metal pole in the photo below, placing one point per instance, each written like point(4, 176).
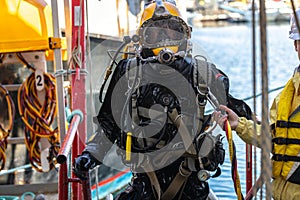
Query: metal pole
point(67, 144)
point(59, 79)
point(249, 162)
point(62, 182)
point(78, 91)
point(266, 143)
point(68, 29)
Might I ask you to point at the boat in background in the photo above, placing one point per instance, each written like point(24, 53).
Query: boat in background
point(241, 11)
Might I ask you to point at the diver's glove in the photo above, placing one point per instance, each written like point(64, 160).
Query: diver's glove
point(83, 163)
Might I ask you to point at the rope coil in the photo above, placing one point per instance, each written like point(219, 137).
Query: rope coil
point(38, 119)
point(6, 125)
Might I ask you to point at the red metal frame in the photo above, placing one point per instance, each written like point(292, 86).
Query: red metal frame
point(75, 139)
point(64, 180)
point(253, 190)
point(248, 167)
point(78, 92)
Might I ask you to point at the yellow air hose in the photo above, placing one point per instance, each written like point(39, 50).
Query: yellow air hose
point(6, 125)
point(233, 160)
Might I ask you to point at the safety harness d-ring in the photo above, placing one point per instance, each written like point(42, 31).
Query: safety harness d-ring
point(184, 170)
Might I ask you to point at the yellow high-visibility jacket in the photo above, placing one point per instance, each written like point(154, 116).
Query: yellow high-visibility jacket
point(285, 125)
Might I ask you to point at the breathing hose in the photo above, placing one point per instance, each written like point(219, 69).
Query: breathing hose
point(109, 69)
point(5, 128)
point(233, 160)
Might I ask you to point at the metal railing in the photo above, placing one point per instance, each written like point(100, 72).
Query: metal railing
point(63, 182)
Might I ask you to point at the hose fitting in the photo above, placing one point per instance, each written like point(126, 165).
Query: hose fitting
point(166, 56)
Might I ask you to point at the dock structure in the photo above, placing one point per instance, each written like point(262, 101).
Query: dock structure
point(236, 11)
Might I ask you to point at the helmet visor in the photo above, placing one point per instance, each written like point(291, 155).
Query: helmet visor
point(164, 32)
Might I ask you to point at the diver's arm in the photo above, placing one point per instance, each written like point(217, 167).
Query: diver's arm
point(98, 145)
point(102, 140)
point(108, 117)
point(240, 107)
point(239, 115)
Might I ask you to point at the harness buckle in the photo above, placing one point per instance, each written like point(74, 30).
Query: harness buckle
point(185, 172)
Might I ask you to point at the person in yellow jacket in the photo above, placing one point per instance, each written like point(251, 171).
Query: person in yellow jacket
point(285, 126)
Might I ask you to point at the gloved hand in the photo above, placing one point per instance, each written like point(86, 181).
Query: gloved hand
point(82, 165)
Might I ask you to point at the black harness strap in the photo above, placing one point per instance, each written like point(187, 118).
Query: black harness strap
point(287, 124)
point(285, 141)
point(178, 182)
point(285, 158)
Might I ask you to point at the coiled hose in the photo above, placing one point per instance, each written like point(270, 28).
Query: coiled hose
point(6, 122)
point(39, 119)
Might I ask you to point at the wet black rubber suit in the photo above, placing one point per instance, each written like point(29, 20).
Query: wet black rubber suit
point(148, 94)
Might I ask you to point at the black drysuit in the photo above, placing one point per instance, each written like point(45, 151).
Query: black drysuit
point(157, 88)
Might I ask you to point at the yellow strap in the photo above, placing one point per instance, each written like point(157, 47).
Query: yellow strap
point(128, 146)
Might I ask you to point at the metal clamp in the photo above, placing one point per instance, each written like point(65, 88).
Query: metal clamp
point(54, 43)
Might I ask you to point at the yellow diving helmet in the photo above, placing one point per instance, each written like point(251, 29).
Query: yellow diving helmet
point(162, 28)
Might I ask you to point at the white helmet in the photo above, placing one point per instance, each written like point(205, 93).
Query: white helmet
point(294, 33)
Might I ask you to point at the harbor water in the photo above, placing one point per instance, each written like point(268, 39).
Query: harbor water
point(229, 46)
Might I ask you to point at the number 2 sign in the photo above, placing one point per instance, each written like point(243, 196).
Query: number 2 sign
point(39, 79)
